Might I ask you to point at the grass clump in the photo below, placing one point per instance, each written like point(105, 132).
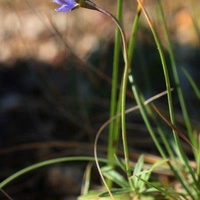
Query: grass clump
point(121, 178)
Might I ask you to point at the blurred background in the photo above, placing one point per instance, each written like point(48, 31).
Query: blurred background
point(55, 81)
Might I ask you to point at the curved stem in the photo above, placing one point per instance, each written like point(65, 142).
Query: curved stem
point(115, 104)
point(124, 84)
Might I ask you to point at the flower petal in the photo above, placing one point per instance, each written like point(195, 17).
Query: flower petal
point(64, 8)
point(66, 5)
point(58, 2)
point(65, 2)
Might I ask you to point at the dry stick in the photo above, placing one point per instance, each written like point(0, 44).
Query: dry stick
point(178, 131)
point(6, 195)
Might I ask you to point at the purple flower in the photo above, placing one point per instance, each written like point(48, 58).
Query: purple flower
point(66, 5)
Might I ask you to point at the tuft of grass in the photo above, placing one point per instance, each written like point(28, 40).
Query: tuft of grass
point(121, 179)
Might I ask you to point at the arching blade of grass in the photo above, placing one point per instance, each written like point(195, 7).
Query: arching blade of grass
point(140, 99)
point(175, 74)
point(46, 163)
point(144, 114)
point(192, 137)
point(179, 148)
point(138, 96)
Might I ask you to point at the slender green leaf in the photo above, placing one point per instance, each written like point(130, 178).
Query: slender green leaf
point(116, 177)
point(120, 163)
point(192, 82)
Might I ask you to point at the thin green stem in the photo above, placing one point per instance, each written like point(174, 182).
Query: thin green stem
point(133, 37)
point(123, 89)
point(114, 128)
